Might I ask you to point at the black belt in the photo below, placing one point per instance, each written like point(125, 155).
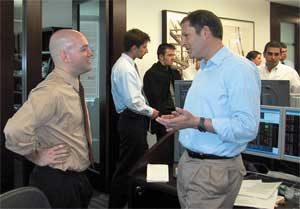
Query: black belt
point(206, 156)
point(50, 169)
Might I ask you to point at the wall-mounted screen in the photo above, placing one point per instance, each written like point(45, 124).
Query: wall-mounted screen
point(291, 137)
point(268, 140)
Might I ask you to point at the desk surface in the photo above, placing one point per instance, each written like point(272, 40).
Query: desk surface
point(170, 187)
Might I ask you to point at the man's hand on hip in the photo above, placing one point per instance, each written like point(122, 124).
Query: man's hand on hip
point(52, 155)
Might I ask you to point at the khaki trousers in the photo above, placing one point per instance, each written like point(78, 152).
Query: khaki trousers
point(209, 184)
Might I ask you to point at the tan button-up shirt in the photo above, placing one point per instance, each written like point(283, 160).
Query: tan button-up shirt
point(51, 115)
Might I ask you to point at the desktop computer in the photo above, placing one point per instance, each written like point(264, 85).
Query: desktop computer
point(267, 142)
point(181, 89)
point(275, 92)
point(291, 135)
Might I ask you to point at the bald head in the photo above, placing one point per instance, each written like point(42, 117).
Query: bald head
point(62, 40)
point(70, 51)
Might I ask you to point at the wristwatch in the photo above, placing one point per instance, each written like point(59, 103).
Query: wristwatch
point(201, 126)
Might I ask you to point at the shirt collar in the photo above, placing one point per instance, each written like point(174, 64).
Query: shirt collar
point(69, 79)
point(162, 67)
point(128, 58)
point(217, 58)
point(274, 68)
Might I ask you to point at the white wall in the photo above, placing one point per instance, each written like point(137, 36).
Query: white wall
point(146, 15)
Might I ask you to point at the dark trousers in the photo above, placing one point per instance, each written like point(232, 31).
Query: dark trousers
point(160, 132)
point(133, 144)
point(64, 189)
point(169, 147)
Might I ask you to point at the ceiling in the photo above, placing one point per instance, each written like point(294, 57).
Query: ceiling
point(294, 3)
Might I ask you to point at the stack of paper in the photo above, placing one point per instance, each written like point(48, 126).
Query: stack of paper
point(255, 193)
point(157, 173)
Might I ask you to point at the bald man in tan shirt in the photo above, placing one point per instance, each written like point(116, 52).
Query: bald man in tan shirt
point(49, 128)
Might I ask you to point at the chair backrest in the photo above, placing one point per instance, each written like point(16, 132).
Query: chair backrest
point(24, 197)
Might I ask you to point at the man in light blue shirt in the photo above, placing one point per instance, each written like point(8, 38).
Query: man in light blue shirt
point(131, 104)
point(220, 116)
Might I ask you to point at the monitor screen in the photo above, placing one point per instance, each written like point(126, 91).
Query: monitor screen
point(292, 135)
point(275, 92)
point(181, 89)
point(267, 142)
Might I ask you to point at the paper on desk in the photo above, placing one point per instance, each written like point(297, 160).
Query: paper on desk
point(247, 201)
point(255, 193)
point(157, 173)
point(258, 189)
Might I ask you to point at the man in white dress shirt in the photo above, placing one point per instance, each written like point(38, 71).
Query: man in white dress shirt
point(134, 113)
point(275, 70)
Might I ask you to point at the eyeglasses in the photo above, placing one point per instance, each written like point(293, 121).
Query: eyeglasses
point(276, 54)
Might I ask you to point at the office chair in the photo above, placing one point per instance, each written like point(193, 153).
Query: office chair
point(24, 197)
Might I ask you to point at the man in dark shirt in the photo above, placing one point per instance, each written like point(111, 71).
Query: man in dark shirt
point(159, 85)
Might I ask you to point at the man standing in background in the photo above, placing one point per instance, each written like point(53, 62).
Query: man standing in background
point(275, 70)
point(283, 56)
point(134, 112)
point(159, 85)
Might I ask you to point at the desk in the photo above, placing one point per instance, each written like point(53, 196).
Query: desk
point(164, 195)
point(153, 195)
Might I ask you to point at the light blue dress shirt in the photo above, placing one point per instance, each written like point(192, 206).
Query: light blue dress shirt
point(126, 87)
point(227, 90)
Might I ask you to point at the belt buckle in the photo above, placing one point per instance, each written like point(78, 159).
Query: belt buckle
point(197, 155)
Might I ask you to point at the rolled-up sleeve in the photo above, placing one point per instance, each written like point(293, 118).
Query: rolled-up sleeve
point(244, 96)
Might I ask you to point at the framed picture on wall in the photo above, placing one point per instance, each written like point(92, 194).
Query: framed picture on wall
point(238, 35)
point(171, 33)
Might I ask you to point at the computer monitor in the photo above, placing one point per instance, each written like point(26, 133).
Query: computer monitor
point(181, 89)
point(275, 92)
point(268, 140)
point(291, 142)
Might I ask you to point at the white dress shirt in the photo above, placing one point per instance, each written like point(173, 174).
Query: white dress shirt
point(126, 87)
point(282, 72)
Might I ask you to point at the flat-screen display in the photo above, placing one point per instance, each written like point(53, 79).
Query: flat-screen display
point(267, 142)
point(181, 89)
point(275, 92)
point(292, 135)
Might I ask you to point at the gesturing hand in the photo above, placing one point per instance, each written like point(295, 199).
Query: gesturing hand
point(155, 114)
point(179, 119)
point(52, 155)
